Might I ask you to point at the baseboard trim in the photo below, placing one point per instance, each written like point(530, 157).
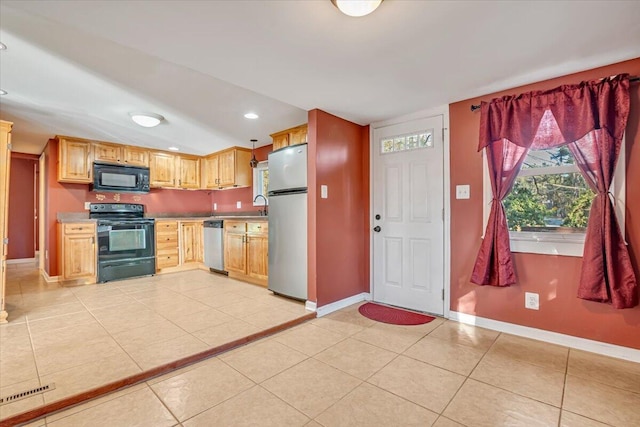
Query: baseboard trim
point(21, 260)
point(578, 343)
point(338, 305)
point(49, 279)
point(310, 305)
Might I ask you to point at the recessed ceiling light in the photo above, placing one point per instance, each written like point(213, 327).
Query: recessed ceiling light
point(174, 149)
point(3, 92)
point(3, 46)
point(147, 120)
point(251, 116)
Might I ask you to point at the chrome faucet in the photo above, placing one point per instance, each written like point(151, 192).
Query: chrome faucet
point(263, 211)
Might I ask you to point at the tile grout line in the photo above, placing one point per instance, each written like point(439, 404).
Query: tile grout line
point(467, 377)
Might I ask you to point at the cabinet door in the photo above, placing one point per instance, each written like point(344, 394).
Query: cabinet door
point(79, 256)
point(235, 255)
point(226, 168)
point(107, 153)
point(257, 256)
point(162, 169)
point(210, 175)
point(280, 141)
point(189, 172)
point(135, 156)
point(74, 162)
point(298, 136)
point(191, 243)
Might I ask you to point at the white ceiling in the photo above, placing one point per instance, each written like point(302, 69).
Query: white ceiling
point(79, 67)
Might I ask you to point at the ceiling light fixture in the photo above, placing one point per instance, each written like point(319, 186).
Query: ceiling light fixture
point(253, 162)
point(147, 120)
point(3, 46)
point(3, 92)
point(356, 8)
point(251, 116)
point(174, 149)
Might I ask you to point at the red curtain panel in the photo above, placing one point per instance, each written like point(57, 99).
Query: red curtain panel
point(590, 118)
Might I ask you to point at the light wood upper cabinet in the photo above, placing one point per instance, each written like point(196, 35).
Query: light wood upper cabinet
point(293, 136)
point(210, 171)
point(189, 172)
point(228, 169)
point(107, 153)
point(135, 156)
point(75, 160)
point(162, 169)
point(78, 256)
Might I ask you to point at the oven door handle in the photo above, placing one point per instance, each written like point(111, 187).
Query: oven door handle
point(125, 223)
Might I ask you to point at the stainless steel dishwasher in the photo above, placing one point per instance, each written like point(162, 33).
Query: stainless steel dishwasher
point(214, 245)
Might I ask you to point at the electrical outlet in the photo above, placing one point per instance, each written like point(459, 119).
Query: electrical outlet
point(239, 205)
point(215, 206)
point(324, 192)
point(87, 206)
point(463, 191)
point(531, 301)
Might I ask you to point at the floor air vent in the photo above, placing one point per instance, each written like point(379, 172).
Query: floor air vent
point(28, 393)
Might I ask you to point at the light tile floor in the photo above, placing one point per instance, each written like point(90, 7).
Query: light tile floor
point(85, 336)
point(346, 370)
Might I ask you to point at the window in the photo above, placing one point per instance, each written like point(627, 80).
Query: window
point(260, 182)
point(411, 141)
point(548, 206)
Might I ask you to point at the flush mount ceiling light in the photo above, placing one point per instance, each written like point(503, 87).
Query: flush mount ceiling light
point(253, 162)
point(3, 46)
point(147, 120)
point(356, 7)
point(3, 92)
point(174, 149)
point(252, 116)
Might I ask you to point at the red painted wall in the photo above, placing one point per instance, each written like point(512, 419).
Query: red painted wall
point(22, 198)
point(71, 198)
point(226, 199)
point(338, 226)
point(555, 278)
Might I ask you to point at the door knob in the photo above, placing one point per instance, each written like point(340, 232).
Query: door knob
point(377, 228)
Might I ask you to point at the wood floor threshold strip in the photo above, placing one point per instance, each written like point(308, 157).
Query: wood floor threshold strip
point(68, 402)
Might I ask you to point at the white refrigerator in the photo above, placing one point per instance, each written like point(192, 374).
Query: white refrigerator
point(287, 191)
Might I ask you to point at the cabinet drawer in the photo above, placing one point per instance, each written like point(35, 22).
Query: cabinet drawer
point(235, 226)
point(79, 228)
point(166, 226)
point(258, 227)
point(166, 261)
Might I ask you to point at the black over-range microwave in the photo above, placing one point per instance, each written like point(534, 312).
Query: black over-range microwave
point(120, 179)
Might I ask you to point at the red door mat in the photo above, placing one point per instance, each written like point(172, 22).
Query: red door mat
point(395, 316)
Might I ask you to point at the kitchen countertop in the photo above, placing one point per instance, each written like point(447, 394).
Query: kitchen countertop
point(75, 217)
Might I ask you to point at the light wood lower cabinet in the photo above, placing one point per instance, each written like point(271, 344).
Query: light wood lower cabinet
point(192, 241)
point(246, 248)
point(78, 256)
point(179, 245)
point(167, 253)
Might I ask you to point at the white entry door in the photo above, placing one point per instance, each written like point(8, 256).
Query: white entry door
point(408, 212)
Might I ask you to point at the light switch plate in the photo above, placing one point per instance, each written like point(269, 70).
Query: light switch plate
point(87, 206)
point(239, 205)
point(463, 191)
point(215, 206)
point(324, 192)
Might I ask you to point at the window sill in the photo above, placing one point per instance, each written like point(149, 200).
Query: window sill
point(564, 244)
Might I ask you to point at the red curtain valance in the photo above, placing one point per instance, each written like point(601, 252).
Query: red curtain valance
point(578, 109)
